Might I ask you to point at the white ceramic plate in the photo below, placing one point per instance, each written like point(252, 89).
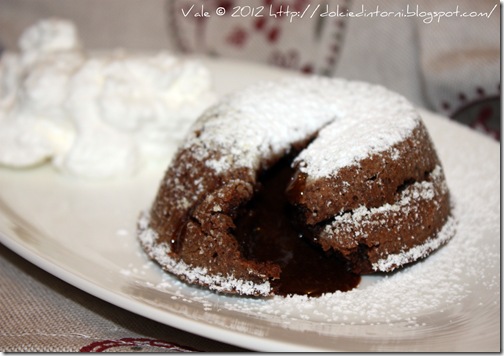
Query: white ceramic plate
point(84, 233)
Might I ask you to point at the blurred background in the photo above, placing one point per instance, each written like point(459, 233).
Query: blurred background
point(442, 55)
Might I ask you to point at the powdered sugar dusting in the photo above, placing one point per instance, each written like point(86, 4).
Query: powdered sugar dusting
point(160, 253)
point(430, 286)
point(456, 286)
point(420, 251)
point(359, 222)
point(265, 119)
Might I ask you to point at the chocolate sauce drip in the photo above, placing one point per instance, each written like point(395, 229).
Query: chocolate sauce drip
point(295, 186)
point(266, 231)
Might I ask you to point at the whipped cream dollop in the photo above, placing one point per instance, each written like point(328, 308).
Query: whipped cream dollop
point(94, 115)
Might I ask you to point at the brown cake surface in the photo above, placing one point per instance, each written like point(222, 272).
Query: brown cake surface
point(366, 185)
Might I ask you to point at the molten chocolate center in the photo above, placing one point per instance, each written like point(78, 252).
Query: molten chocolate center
point(266, 231)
